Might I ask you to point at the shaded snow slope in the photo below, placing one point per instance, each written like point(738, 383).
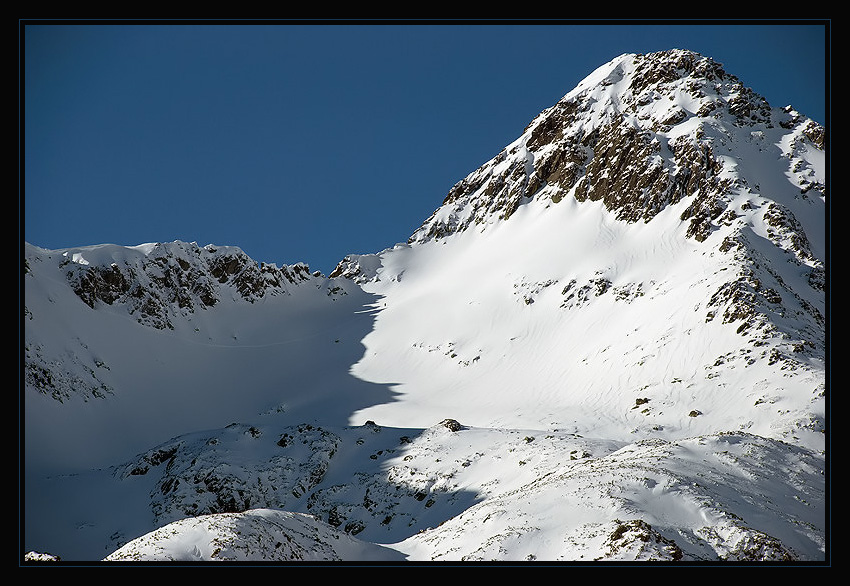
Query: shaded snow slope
point(102, 385)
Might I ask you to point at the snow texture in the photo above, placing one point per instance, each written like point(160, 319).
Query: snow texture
point(608, 344)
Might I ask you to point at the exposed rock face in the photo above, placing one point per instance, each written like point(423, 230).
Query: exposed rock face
point(641, 542)
point(358, 268)
point(658, 137)
point(42, 374)
point(178, 277)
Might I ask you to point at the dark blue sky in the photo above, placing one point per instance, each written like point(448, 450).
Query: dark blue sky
point(304, 142)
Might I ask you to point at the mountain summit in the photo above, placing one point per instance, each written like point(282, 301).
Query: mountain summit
point(640, 133)
point(607, 343)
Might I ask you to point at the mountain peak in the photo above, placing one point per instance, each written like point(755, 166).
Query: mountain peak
point(640, 133)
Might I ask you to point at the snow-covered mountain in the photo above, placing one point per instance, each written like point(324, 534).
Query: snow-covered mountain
point(608, 343)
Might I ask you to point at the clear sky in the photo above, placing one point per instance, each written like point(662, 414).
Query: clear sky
point(305, 142)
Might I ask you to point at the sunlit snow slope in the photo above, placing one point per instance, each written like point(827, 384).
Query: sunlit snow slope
point(688, 274)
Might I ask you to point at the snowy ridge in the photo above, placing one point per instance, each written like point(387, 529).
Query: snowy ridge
point(607, 344)
point(257, 535)
point(151, 279)
point(553, 496)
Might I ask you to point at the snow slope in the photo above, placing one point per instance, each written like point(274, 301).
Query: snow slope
point(115, 378)
point(605, 298)
point(608, 343)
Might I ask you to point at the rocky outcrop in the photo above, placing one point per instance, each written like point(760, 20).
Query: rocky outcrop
point(170, 279)
point(193, 477)
point(636, 539)
point(660, 136)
